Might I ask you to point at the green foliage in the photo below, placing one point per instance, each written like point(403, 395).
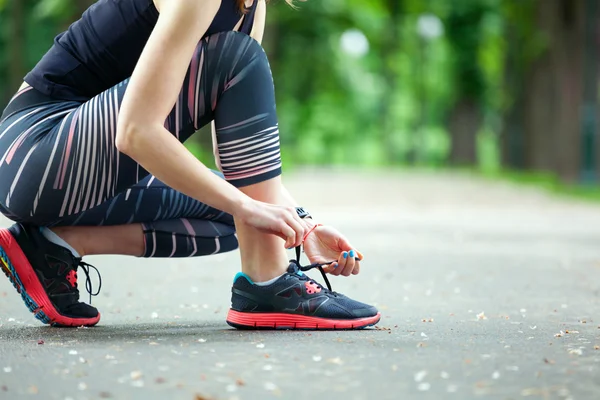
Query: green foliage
point(389, 106)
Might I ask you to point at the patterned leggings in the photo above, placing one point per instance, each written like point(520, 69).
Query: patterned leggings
point(59, 165)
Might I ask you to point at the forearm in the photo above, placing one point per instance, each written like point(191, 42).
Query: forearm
point(161, 154)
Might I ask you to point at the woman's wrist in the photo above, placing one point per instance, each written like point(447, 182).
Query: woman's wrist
point(242, 205)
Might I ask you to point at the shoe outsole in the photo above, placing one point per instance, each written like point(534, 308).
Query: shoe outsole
point(283, 321)
point(27, 284)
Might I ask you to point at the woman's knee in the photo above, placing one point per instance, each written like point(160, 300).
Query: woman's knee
point(232, 52)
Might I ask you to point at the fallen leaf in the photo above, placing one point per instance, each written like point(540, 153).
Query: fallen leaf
point(201, 397)
point(40, 341)
point(548, 361)
point(105, 395)
point(596, 347)
point(481, 316)
point(240, 382)
point(135, 375)
point(160, 380)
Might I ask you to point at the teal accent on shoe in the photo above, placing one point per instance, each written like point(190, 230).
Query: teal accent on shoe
point(242, 275)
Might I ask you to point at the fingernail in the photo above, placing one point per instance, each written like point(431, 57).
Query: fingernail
point(335, 265)
point(352, 253)
point(345, 255)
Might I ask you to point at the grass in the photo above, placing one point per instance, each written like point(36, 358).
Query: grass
point(547, 182)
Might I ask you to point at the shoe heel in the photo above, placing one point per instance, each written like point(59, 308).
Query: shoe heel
point(8, 246)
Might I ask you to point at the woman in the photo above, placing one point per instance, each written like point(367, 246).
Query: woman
point(92, 162)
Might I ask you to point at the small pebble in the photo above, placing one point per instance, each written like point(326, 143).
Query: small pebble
point(424, 386)
point(7, 369)
point(419, 376)
point(317, 358)
point(154, 315)
point(135, 374)
point(496, 375)
point(82, 386)
point(231, 388)
point(270, 386)
point(260, 346)
point(73, 352)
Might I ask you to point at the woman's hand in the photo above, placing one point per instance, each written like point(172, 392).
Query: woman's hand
point(277, 220)
point(326, 244)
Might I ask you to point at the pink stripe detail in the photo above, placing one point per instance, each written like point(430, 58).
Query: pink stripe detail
point(153, 244)
point(68, 149)
point(251, 174)
point(190, 229)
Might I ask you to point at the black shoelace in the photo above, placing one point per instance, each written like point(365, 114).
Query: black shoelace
point(85, 267)
point(313, 266)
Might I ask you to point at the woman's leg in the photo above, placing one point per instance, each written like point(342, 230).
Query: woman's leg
point(150, 220)
point(61, 161)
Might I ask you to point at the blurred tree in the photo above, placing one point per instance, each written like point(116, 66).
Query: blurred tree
point(356, 84)
point(464, 37)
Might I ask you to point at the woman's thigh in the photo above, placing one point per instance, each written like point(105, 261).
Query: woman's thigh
point(59, 160)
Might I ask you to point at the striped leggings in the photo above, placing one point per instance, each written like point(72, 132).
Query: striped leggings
point(59, 165)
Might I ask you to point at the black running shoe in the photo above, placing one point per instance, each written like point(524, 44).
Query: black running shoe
point(45, 274)
point(295, 301)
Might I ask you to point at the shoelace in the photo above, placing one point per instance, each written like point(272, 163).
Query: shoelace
point(85, 267)
point(312, 266)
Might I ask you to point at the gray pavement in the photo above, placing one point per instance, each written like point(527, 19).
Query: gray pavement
point(506, 278)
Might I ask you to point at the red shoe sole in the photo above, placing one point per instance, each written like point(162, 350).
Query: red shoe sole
point(242, 320)
point(18, 270)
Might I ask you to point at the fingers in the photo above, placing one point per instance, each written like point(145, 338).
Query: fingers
point(348, 264)
point(295, 234)
point(289, 235)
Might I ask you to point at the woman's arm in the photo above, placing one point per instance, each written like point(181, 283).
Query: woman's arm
point(260, 18)
point(151, 95)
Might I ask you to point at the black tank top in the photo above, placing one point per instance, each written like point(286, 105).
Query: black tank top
point(102, 48)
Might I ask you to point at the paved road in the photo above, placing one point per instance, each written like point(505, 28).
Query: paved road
point(499, 273)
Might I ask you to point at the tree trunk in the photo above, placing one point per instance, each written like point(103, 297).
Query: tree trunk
point(512, 136)
point(16, 45)
point(464, 122)
point(390, 48)
point(589, 117)
point(554, 92)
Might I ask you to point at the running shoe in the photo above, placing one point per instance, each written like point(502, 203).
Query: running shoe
point(295, 301)
point(45, 274)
